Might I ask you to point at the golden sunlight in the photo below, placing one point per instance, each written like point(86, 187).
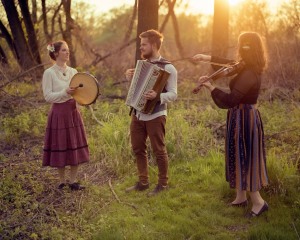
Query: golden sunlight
point(193, 6)
point(234, 2)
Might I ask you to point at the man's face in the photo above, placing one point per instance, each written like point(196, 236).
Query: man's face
point(146, 48)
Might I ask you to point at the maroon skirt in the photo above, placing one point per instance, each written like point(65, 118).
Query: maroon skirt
point(65, 140)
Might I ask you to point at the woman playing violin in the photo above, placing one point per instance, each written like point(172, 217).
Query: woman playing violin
point(245, 155)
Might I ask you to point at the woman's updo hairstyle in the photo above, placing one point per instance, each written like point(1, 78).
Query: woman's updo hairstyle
point(54, 48)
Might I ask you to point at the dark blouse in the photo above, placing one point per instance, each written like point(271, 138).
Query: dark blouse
point(244, 87)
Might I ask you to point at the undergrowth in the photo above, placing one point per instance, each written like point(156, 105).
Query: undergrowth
point(195, 206)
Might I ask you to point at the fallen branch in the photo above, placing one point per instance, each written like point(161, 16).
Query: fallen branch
point(22, 74)
point(278, 133)
point(118, 199)
point(296, 230)
point(94, 116)
point(19, 98)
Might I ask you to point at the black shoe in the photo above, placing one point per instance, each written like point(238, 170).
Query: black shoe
point(76, 186)
point(241, 204)
point(138, 187)
point(264, 208)
point(157, 189)
point(61, 186)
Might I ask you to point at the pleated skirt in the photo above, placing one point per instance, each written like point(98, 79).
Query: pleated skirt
point(245, 153)
point(65, 140)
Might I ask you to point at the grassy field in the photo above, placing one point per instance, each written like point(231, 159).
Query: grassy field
point(195, 206)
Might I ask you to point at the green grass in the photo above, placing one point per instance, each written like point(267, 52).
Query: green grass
point(195, 206)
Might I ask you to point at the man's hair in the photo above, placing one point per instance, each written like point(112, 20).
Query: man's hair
point(153, 36)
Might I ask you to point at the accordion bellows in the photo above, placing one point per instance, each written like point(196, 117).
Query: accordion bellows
point(147, 76)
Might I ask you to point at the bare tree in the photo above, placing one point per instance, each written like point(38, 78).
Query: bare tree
point(220, 28)
point(67, 33)
point(49, 35)
point(3, 57)
point(147, 19)
point(23, 53)
point(31, 35)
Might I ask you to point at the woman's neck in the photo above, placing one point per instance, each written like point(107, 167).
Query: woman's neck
point(61, 64)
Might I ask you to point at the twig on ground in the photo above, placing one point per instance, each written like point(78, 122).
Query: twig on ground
point(296, 230)
point(94, 116)
point(118, 199)
point(278, 133)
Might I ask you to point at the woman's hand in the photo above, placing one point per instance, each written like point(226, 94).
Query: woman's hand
point(129, 73)
point(203, 82)
point(201, 57)
point(209, 86)
point(70, 90)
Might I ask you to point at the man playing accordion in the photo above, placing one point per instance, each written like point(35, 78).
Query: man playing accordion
point(153, 124)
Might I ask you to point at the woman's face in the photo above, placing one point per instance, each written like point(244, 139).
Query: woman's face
point(63, 54)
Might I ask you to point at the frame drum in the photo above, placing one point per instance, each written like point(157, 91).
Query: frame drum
point(87, 89)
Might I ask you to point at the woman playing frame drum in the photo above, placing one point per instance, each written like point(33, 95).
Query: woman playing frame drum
point(245, 156)
point(65, 140)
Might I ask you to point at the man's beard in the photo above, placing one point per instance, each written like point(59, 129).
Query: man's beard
point(146, 56)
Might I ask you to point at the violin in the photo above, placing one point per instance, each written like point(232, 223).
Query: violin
point(225, 71)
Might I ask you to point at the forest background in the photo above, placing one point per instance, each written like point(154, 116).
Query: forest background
point(106, 45)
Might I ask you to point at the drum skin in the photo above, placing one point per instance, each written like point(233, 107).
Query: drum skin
point(87, 89)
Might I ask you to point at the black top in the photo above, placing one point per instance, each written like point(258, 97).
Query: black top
point(244, 87)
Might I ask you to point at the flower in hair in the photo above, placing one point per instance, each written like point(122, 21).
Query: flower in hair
point(50, 47)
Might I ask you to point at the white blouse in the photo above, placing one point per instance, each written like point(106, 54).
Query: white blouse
point(55, 83)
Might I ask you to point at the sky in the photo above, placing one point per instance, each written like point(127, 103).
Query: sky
point(196, 6)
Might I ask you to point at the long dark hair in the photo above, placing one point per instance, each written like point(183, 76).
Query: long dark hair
point(252, 51)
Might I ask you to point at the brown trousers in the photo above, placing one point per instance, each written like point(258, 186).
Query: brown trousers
point(155, 129)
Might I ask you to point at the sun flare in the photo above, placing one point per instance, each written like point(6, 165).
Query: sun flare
point(206, 7)
point(234, 2)
point(192, 6)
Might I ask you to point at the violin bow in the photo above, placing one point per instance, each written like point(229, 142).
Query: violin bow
point(207, 62)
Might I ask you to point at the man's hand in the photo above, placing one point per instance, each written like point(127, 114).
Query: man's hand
point(129, 73)
point(150, 95)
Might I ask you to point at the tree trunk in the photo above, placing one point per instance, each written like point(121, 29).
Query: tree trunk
point(133, 17)
point(67, 33)
point(34, 12)
point(25, 58)
point(220, 28)
point(147, 19)
point(3, 57)
point(176, 27)
point(32, 39)
point(45, 22)
point(9, 40)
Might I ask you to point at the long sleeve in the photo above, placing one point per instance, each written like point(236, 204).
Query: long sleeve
point(243, 84)
point(171, 86)
point(49, 95)
point(54, 88)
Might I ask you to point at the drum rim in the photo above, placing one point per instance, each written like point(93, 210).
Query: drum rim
point(96, 81)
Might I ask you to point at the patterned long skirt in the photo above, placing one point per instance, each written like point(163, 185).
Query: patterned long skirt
point(245, 149)
point(65, 140)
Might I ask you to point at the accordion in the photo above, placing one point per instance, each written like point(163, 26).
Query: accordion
point(147, 76)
